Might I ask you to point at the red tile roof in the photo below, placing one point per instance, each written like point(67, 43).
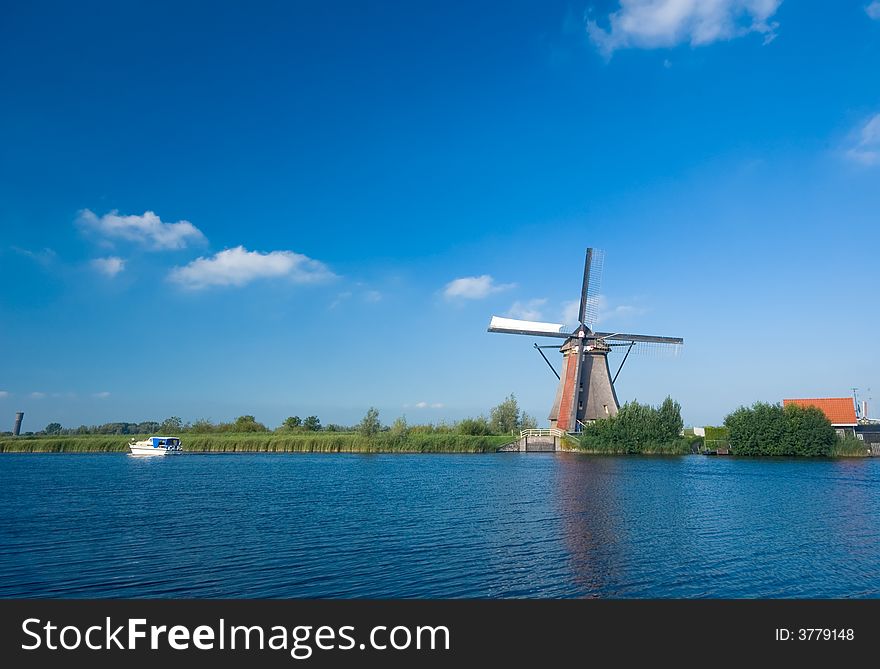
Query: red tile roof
point(839, 410)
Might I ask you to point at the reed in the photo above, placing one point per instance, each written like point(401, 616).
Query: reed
point(850, 447)
point(268, 443)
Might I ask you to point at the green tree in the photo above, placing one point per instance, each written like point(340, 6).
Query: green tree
point(248, 424)
point(147, 427)
point(505, 418)
point(770, 429)
point(527, 422)
point(670, 423)
point(400, 428)
point(203, 426)
point(312, 424)
point(637, 428)
point(370, 425)
point(171, 425)
point(477, 427)
point(292, 422)
point(53, 428)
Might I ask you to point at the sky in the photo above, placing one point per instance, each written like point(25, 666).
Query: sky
point(295, 208)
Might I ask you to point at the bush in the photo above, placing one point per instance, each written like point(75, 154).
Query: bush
point(850, 446)
point(638, 428)
point(202, 426)
point(770, 429)
point(247, 424)
point(399, 427)
point(478, 427)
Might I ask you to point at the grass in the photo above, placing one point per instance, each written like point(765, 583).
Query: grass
point(267, 442)
point(850, 447)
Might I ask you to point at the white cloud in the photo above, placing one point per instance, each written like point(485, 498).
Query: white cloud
point(147, 229)
point(527, 311)
point(110, 266)
point(372, 296)
point(37, 395)
point(873, 10)
point(652, 24)
point(4, 394)
point(474, 287)
point(102, 395)
point(238, 266)
point(866, 149)
point(427, 405)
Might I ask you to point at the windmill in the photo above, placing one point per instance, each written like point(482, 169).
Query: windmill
point(586, 389)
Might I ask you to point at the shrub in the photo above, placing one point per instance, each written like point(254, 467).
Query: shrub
point(478, 427)
point(850, 446)
point(770, 429)
point(638, 428)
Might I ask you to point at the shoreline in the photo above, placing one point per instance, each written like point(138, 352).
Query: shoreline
point(386, 443)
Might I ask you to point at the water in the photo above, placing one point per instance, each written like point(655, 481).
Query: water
point(507, 525)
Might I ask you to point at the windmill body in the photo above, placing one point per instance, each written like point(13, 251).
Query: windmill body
point(586, 388)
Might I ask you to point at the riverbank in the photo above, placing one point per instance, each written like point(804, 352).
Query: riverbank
point(267, 442)
point(680, 447)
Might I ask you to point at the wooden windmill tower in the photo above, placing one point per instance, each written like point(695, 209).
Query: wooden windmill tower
point(586, 388)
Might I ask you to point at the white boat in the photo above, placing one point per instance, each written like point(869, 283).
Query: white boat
point(155, 446)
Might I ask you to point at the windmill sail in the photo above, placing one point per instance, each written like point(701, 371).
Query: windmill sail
point(537, 328)
point(593, 267)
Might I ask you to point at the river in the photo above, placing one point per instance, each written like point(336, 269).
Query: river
point(437, 526)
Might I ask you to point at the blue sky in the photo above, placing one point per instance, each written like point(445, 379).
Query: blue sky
point(260, 207)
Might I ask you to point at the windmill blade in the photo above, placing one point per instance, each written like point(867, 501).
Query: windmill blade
point(647, 339)
point(642, 345)
point(532, 328)
point(589, 307)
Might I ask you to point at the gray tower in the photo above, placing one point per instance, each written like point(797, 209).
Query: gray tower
point(16, 429)
point(586, 387)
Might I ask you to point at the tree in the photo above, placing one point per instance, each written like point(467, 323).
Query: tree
point(53, 428)
point(312, 424)
point(248, 424)
point(292, 422)
point(370, 424)
point(669, 419)
point(171, 425)
point(477, 427)
point(637, 428)
point(399, 427)
point(147, 427)
point(203, 426)
point(527, 422)
point(504, 418)
point(770, 429)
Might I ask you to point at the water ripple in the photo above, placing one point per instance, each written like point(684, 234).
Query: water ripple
point(436, 526)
